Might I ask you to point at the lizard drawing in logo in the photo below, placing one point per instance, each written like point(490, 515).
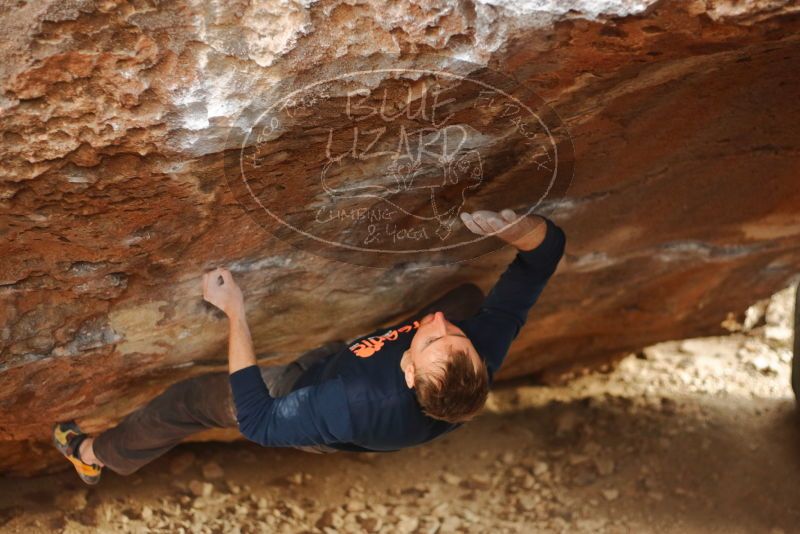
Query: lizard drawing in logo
point(427, 174)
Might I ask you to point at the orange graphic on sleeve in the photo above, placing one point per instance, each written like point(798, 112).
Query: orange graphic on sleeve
point(368, 346)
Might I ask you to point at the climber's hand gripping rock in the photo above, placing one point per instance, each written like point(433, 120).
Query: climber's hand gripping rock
point(221, 290)
point(523, 232)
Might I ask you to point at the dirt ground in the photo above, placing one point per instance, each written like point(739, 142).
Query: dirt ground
point(687, 436)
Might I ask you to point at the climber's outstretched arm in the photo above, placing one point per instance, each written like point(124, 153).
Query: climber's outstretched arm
point(504, 312)
point(221, 290)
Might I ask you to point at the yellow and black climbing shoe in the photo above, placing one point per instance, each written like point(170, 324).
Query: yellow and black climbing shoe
point(67, 438)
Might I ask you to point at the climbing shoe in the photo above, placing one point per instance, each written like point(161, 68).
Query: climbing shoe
point(67, 438)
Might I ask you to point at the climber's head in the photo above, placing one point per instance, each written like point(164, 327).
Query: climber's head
point(447, 373)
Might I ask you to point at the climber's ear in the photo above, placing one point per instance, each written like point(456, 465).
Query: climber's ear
point(409, 372)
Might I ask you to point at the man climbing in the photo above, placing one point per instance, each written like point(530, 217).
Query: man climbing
point(394, 388)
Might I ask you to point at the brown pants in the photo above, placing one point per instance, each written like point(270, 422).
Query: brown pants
point(205, 401)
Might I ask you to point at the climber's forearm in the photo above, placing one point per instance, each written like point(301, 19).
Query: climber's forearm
point(240, 344)
point(533, 233)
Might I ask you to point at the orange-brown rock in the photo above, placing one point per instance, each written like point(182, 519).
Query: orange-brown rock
point(116, 121)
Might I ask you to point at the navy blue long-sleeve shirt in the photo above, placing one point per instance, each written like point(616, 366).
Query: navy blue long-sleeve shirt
point(358, 399)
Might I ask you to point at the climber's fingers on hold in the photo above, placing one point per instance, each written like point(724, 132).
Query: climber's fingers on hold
point(479, 224)
point(506, 225)
point(497, 223)
point(214, 279)
point(489, 221)
point(470, 223)
point(509, 215)
point(485, 222)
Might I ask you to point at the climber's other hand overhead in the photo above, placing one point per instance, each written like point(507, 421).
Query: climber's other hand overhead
point(221, 290)
point(523, 232)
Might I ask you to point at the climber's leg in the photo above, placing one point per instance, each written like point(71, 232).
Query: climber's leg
point(185, 408)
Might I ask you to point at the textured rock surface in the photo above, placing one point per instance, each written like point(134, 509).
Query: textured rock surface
point(684, 205)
